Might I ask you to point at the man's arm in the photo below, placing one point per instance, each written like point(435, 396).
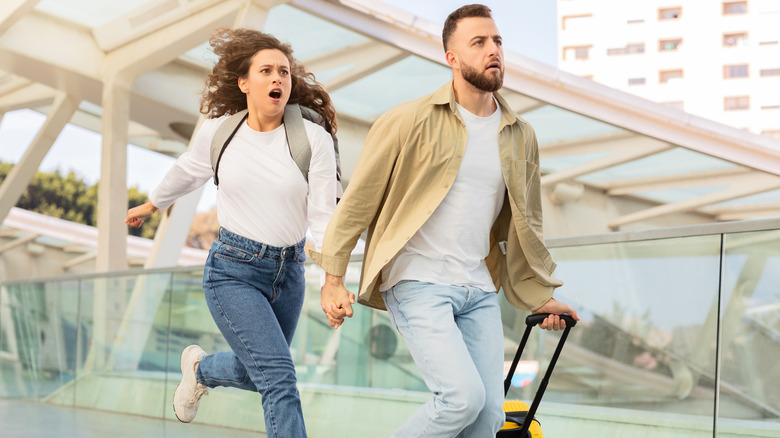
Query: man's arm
point(357, 210)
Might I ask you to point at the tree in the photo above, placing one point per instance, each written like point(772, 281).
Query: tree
point(70, 198)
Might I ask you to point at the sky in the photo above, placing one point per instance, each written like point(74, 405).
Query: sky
point(527, 27)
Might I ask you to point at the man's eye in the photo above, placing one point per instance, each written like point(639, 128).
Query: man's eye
point(478, 43)
point(499, 42)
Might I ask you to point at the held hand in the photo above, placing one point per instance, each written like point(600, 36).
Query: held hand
point(136, 214)
point(555, 308)
point(336, 300)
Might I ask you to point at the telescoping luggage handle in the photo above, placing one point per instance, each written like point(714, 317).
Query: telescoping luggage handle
point(530, 322)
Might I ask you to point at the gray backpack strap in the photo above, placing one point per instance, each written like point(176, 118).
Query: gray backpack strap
point(313, 116)
point(225, 132)
point(298, 141)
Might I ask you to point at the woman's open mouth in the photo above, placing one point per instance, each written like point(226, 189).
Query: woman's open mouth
point(275, 94)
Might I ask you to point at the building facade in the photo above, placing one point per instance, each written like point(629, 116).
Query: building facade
point(715, 59)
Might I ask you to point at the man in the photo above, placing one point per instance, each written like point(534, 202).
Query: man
point(448, 186)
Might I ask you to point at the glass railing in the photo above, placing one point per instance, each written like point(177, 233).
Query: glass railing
point(680, 334)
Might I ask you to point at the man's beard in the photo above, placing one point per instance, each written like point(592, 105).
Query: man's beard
point(484, 81)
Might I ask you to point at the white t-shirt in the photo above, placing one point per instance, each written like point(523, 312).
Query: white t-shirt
point(451, 246)
point(262, 194)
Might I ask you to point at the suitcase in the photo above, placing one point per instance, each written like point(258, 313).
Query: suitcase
point(520, 421)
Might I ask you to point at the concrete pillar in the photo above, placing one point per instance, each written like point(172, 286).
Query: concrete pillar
point(112, 189)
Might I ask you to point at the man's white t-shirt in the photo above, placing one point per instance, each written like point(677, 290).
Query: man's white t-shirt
point(451, 246)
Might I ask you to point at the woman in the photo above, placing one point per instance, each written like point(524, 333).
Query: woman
point(253, 278)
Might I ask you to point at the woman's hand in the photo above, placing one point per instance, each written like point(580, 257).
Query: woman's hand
point(136, 214)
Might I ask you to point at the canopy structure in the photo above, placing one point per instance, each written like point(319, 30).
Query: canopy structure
point(133, 71)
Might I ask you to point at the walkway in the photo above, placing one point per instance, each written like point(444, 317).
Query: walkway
point(21, 419)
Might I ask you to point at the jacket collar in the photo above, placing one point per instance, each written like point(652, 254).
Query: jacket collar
point(446, 96)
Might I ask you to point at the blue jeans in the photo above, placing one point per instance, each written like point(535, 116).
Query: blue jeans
point(255, 294)
point(455, 336)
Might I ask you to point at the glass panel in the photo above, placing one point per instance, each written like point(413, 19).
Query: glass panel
point(39, 333)
point(309, 36)
point(750, 334)
point(554, 124)
point(90, 13)
point(677, 161)
point(370, 97)
point(644, 349)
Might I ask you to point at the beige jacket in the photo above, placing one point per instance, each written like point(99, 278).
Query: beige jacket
point(409, 161)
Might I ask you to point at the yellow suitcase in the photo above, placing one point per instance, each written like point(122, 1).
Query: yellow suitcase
point(517, 413)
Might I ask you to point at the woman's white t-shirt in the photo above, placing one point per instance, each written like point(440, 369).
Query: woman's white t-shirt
point(262, 194)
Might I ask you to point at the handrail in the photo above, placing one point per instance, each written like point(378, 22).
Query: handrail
point(763, 224)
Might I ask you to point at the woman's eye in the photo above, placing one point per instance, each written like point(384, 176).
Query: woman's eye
point(285, 72)
point(265, 70)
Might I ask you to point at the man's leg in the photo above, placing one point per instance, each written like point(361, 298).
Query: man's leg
point(424, 313)
point(480, 323)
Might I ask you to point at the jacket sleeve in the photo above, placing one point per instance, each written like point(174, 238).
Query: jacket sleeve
point(364, 194)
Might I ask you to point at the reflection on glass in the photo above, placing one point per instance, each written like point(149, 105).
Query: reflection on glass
point(646, 341)
point(750, 332)
point(644, 351)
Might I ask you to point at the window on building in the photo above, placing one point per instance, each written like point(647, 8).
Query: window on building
point(770, 107)
point(669, 13)
point(636, 81)
point(736, 103)
point(576, 52)
point(770, 72)
point(569, 20)
point(774, 133)
point(667, 75)
point(636, 21)
point(731, 8)
point(738, 39)
point(630, 49)
point(735, 71)
point(768, 43)
point(676, 104)
point(669, 45)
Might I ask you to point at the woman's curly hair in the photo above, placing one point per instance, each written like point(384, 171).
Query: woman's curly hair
point(235, 49)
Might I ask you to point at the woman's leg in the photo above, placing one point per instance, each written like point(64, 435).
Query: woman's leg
point(255, 296)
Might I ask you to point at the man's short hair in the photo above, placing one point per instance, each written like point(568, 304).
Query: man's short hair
point(462, 12)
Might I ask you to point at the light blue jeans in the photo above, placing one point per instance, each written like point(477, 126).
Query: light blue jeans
point(455, 336)
point(255, 294)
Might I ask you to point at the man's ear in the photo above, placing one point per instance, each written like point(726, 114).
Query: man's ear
point(452, 60)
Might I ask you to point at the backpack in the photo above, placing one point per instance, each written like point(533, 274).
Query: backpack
point(297, 140)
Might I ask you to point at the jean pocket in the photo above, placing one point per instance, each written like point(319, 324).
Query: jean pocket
point(233, 254)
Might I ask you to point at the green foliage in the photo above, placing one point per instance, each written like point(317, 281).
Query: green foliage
point(70, 198)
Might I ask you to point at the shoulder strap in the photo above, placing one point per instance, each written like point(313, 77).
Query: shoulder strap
point(314, 117)
point(225, 132)
point(298, 141)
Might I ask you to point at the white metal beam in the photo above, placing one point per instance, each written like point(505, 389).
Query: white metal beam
point(690, 179)
point(164, 45)
point(12, 10)
point(30, 96)
point(17, 242)
point(641, 148)
point(759, 183)
point(22, 173)
point(613, 142)
point(368, 57)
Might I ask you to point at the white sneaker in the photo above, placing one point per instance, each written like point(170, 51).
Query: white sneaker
point(188, 393)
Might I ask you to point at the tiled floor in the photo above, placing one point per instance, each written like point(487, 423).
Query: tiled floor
point(20, 419)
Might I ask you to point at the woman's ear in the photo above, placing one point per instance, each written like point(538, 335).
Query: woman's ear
point(242, 85)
